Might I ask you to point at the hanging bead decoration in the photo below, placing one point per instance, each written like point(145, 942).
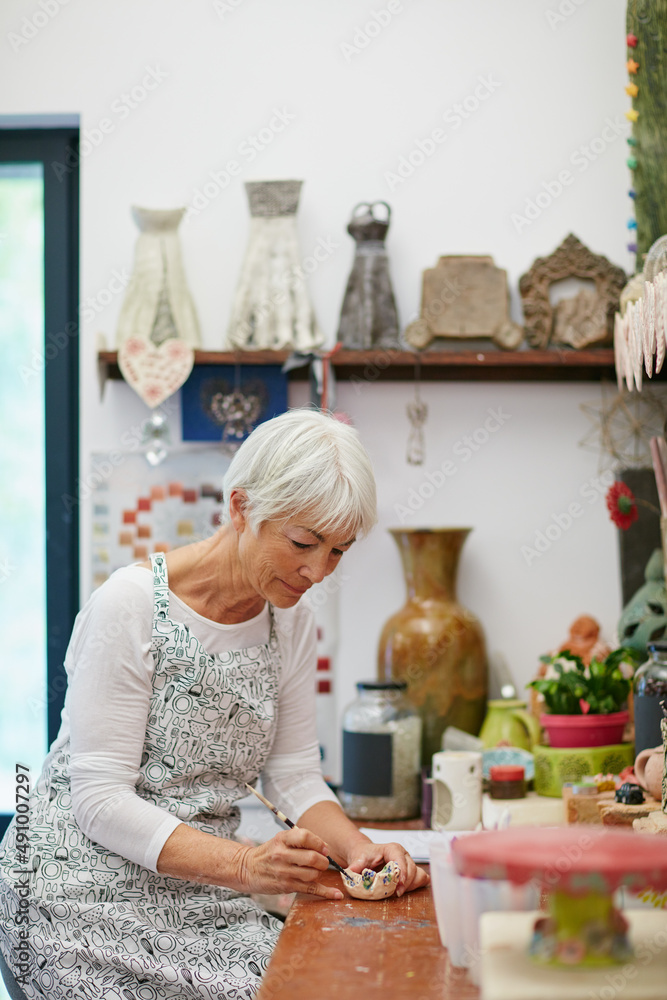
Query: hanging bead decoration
point(417, 414)
point(632, 115)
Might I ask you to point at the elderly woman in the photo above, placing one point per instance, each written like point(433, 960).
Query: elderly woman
point(138, 887)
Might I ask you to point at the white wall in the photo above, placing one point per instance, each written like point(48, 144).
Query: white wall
point(218, 72)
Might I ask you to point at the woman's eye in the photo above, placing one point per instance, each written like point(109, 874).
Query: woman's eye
point(300, 545)
point(337, 553)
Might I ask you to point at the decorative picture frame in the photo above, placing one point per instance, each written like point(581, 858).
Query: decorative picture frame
point(588, 318)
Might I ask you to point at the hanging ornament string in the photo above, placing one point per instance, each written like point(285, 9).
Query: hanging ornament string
point(632, 90)
point(327, 375)
point(417, 414)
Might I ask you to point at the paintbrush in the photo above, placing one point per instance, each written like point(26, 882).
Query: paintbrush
point(283, 819)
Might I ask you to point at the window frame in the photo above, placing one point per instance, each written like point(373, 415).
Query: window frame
point(57, 146)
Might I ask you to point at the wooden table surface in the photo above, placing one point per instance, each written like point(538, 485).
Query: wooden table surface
point(358, 948)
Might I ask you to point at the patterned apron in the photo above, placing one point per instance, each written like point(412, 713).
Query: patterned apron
point(103, 927)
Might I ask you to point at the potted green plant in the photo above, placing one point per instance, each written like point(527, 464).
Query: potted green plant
point(586, 705)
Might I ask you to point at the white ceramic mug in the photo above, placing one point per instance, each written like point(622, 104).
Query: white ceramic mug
point(457, 790)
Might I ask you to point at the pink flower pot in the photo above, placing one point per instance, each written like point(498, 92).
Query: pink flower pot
point(585, 730)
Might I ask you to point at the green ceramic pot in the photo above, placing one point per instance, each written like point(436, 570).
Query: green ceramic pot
point(554, 766)
point(508, 722)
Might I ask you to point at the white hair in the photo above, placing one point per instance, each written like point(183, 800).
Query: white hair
point(304, 462)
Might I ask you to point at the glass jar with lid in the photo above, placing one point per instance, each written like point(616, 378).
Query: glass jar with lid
point(381, 753)
point(649, 689)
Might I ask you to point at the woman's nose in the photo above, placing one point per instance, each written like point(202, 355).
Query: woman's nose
point(315, 569)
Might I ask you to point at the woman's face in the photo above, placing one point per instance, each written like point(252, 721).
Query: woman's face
point(285, 559)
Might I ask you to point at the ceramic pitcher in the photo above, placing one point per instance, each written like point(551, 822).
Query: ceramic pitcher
point(648, 770)
point(508, 722)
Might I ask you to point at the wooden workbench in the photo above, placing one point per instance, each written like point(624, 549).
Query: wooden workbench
point(357, 948)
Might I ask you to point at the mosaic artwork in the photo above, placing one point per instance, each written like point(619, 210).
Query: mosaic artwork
point(139, 509)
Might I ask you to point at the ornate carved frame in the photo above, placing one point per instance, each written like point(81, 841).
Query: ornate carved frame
point(571, 260)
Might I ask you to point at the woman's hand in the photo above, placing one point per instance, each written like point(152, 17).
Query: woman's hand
point(292, 861)
point(367, 855)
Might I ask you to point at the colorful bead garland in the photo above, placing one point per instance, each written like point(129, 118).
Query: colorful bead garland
point(632, 115)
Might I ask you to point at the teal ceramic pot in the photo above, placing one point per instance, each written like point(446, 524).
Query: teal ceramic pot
point(644, 618)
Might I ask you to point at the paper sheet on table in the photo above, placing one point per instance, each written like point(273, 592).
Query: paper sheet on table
point(416, 842)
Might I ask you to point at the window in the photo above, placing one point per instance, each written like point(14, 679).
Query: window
point(38, 437)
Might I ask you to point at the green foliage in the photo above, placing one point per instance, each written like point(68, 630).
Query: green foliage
point(601, 686)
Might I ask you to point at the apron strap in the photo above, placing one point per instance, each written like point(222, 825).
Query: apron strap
point(160, 586)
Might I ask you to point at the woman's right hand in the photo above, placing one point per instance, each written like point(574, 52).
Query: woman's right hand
point(292, 861)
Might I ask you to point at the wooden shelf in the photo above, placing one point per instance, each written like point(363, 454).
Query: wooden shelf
point(387, 365)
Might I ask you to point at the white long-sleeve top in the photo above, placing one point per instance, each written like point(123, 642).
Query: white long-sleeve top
point(110, 666)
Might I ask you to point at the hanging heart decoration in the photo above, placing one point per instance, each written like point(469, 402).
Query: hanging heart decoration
point(155, 373)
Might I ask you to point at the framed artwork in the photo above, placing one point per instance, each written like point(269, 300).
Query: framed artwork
point(225, 402)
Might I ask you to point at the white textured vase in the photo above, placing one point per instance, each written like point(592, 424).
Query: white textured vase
point(271, 308)
point(158, 305)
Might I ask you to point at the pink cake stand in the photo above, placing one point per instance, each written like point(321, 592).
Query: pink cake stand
point(579, 868)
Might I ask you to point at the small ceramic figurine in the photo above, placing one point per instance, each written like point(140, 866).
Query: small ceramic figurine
point(583, 641)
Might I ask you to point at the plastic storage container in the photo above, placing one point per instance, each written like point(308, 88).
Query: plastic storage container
point(460, 901)
point(649, 689)
point(381, 753)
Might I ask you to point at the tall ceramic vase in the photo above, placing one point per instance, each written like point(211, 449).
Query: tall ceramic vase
point(433, 642)
point(158, 305)
point(271, 308)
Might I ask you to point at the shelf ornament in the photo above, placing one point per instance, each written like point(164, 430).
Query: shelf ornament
point(157, 327)
point(271, 308)
point(584, 320)
point(368, 316)
point(464, 298)
point(640, 327)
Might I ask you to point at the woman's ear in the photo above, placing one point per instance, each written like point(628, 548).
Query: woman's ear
point(238, 501)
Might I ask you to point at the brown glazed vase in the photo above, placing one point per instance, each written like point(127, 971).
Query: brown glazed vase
point(434, 643)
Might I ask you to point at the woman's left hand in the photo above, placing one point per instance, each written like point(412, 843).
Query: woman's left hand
point(367, 855)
